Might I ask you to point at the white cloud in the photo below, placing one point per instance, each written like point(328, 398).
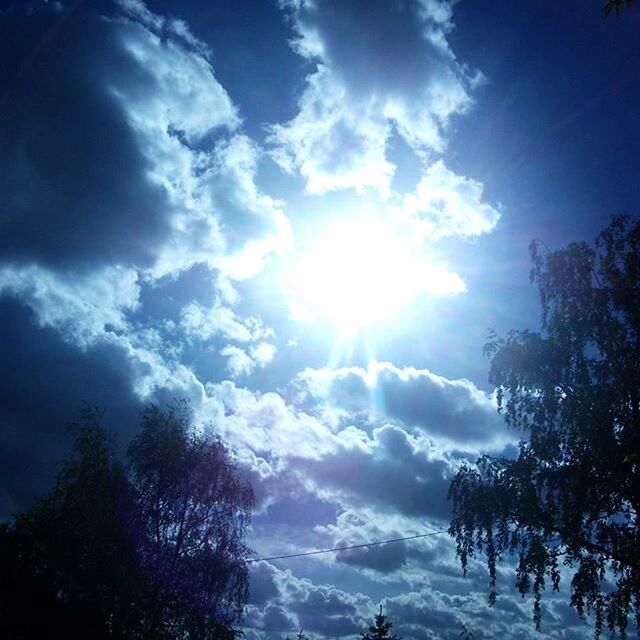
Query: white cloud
point(185, 96)
point(333, 143)
point(444, 204)
point(263, 353)
point(80, 306)
point(286, 602)
point(377, 66)
point(241, 362)
point(165, 181)
point(204, 323)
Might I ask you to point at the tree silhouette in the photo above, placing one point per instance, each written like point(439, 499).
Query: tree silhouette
point(69, 557)
point(572, 495)
point(152, 550)
point(380, 630)
point(193, 510)
point(617, 6)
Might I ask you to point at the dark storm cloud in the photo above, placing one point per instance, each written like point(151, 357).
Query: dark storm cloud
point(44, 385)
point(74, 181)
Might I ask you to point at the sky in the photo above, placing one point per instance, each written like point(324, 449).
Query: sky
point(303, 216)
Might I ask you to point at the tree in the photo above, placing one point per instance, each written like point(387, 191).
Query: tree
point(617, 6)
point(380, 630)
point(193, 510)
point(151, 550)
point(572, 494)
point(69, 557)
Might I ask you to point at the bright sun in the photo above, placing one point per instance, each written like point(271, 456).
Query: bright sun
point(362, 272)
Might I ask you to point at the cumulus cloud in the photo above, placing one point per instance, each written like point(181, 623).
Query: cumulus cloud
point(80, 306)
point(453, 411)
point(378, 67)
point(388, 468)
point(444, 204)
point(241, 362)
point(126, 166)
point(265, 422)
point(204, 323)
point(298, 603)
point(391, 470)
point(358, 528)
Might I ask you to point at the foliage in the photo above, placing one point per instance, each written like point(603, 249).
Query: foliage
point(69, 558)
point(193, 511)
point(380, 630)
point(152, 550)
point(572, 495)
point(617, 6)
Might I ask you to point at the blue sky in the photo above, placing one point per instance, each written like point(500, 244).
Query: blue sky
point(304, 217)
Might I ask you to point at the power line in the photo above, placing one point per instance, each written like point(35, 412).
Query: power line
point(351, 546)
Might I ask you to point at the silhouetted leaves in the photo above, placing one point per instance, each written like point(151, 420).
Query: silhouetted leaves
point(617, 6)
point(153, 550)
point(572, 496)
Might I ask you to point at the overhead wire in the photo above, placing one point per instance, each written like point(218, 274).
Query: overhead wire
point(373, 543)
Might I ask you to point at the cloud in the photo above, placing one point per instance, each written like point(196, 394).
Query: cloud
point(204, 323)
point(243, 363)
point(358, 528)
point(445, 204)
point(125, 167)
point(298, 603)
point(378, 67)
point(397, 457)
point(80, 306)
point(264, 422)
point(432, 614)
point(122, 149)
point(391, 471)
point(453, 411)
point(74, 183)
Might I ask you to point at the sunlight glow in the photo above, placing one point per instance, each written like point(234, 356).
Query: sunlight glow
point(362, 272)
